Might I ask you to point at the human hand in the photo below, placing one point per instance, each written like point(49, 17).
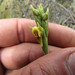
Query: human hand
point(19, 49)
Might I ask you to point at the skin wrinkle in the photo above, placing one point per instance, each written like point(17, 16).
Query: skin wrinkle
point(25, 70)
point(23, 34)
point(21, 72)
point(36, 68)
point(57, 71)
point(29, 56)
point(30, 71)
point(68, 67)
point(43, 71)
point(17, 28)
point(20, 30)
point(47, 71)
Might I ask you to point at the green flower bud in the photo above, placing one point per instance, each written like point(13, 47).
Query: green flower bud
point(45, 15)
point(41, 10)
point(35, 11)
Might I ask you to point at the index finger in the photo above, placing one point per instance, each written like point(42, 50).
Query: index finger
point(15, 31)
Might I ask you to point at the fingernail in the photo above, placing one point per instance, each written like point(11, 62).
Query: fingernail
point(71, 63)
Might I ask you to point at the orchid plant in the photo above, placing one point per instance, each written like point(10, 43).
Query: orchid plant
point(41, 30)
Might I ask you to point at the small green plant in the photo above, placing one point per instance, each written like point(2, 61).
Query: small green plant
point(41, 30)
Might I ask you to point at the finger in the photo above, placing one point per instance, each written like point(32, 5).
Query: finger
point(14, 31)
point(61, 35)
point(56, 63)
point(22, 54)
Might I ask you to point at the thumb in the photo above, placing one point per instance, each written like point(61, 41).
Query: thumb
point(56, 63)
